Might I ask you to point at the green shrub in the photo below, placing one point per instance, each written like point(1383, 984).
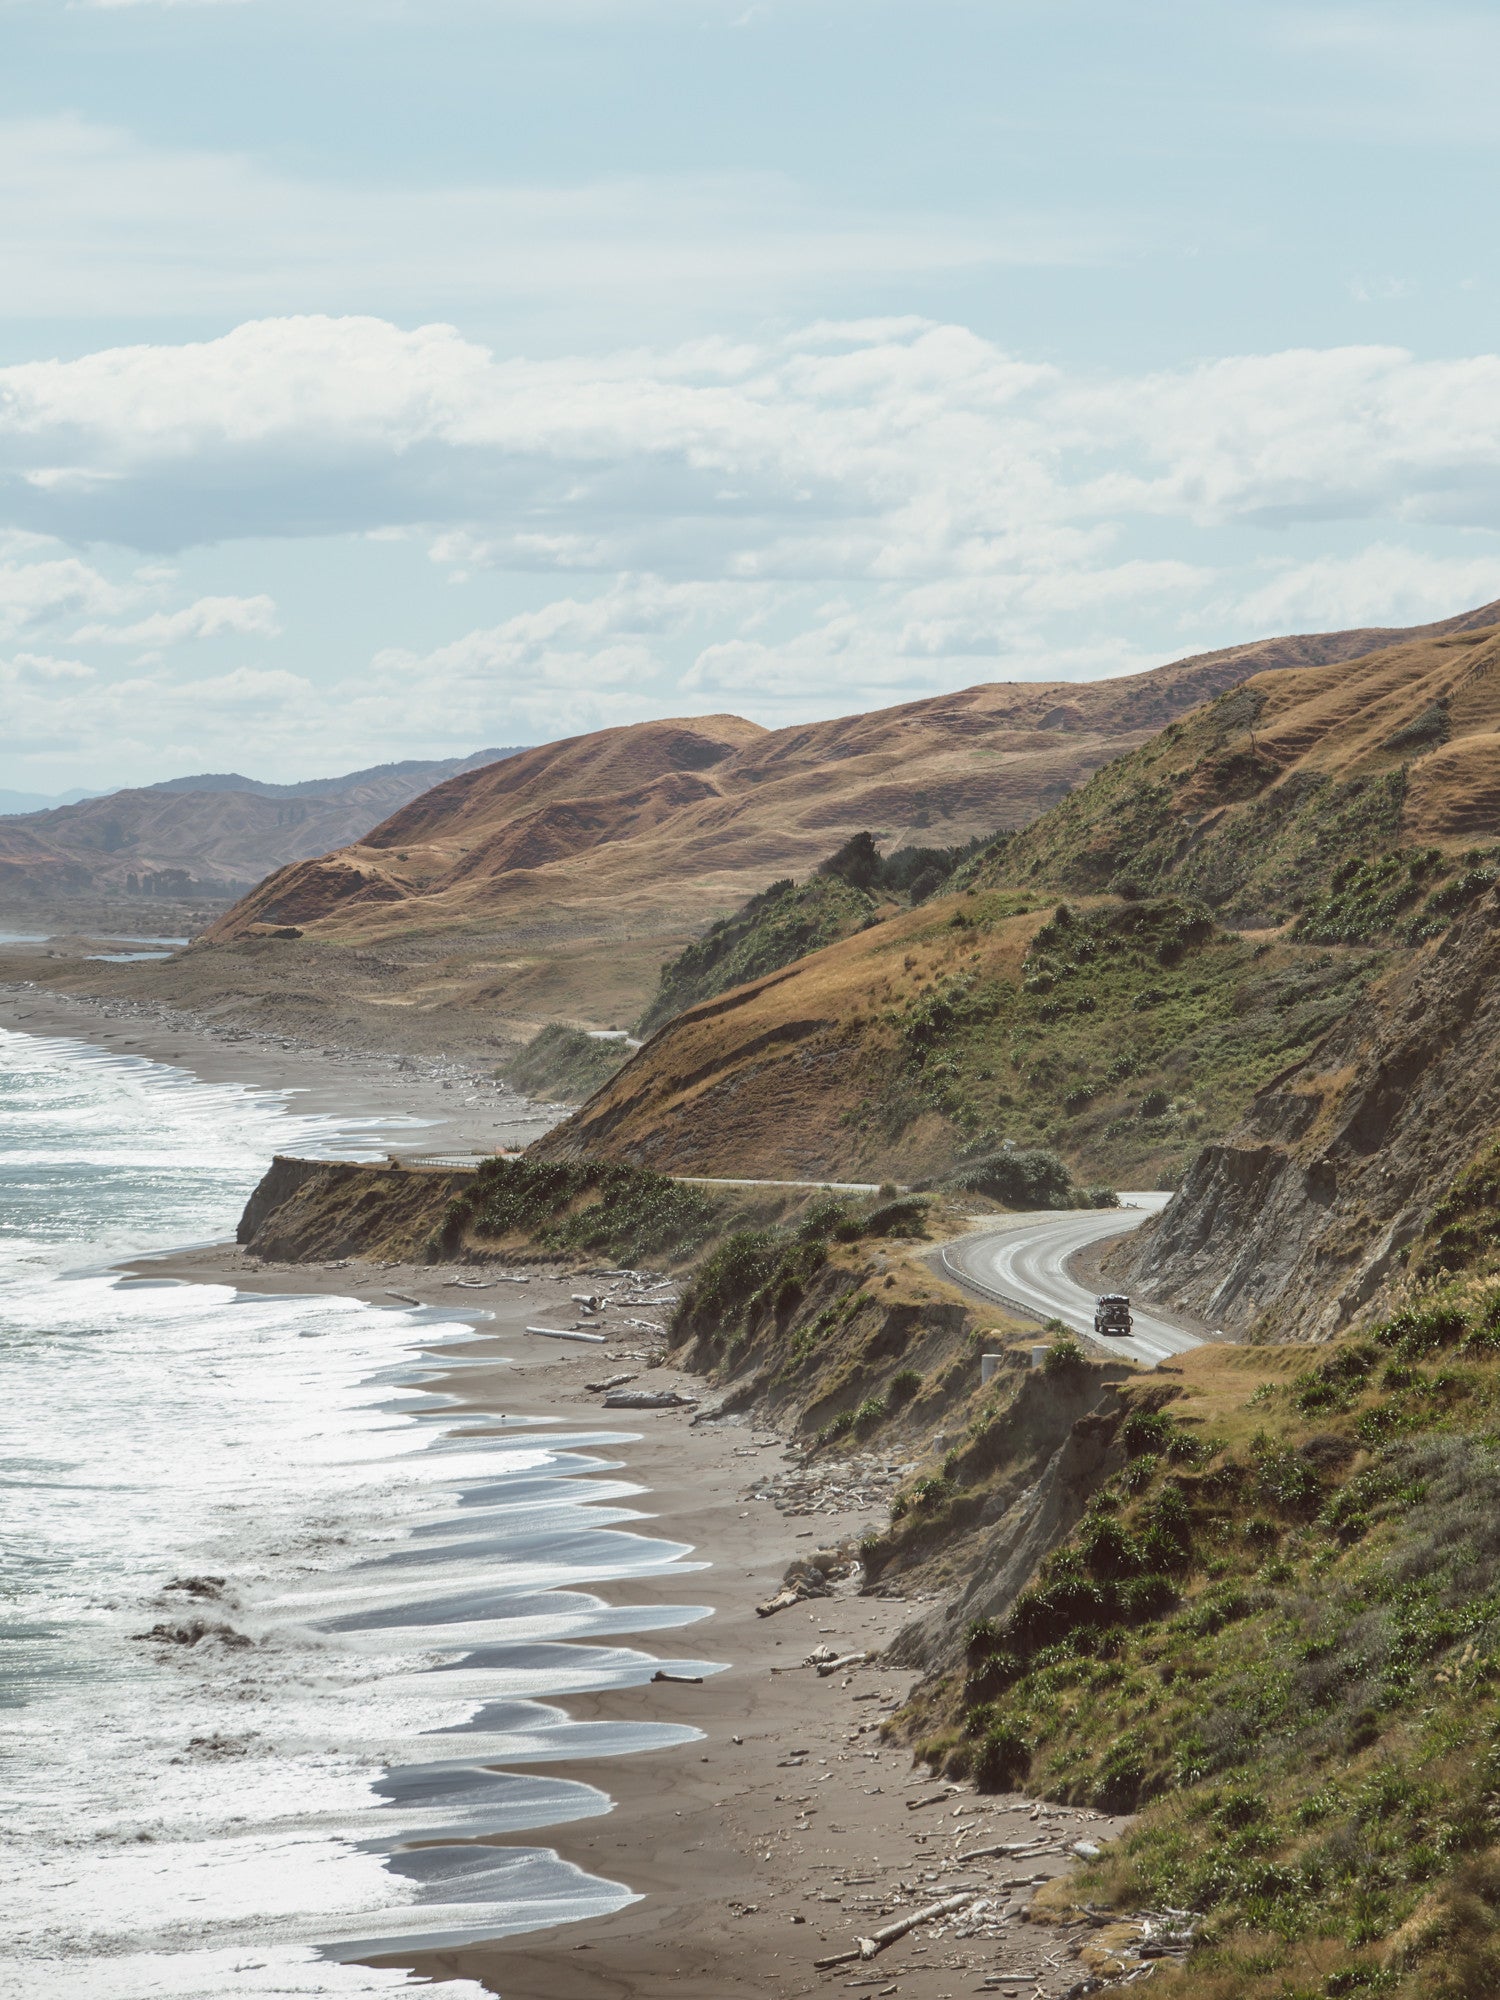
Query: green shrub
point(1030, 1177)
point(1002, 1759)
point(1063, 1356)
point(566, 1063)
point(904, 1389)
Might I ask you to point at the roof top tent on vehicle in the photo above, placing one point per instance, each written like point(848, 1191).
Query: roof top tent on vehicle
point(1112, 1314)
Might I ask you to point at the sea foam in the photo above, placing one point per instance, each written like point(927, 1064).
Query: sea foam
point(267, 1624)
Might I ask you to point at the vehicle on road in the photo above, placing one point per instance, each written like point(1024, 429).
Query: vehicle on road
point(1112, 1314)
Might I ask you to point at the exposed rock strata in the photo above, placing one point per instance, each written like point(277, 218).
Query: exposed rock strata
point(1299, 1224)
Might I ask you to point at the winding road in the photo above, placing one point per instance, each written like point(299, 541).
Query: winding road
point(1021, 1261)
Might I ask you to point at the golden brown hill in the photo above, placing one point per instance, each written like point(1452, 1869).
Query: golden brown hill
point(1255, 802)
point(631, 839)
point(1121, 1036)
point(1135, 1029)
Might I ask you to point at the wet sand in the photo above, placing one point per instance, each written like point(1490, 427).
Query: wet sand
point(789, 1831)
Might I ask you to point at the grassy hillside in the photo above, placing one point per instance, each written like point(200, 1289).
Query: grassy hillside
point(1275, 1629)
point(1349, 797)
point(782, 924)
point(1350, 809)
point(849, 891)
point(1119, 1033)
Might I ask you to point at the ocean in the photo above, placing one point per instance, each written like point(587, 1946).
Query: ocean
point(276, 1645)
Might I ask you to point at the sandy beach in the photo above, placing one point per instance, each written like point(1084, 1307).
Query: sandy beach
point(790, 1831)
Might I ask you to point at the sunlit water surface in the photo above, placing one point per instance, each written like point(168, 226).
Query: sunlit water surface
point(266, 1626)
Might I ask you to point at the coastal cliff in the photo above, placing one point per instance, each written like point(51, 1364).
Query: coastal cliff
point(1332, 1198)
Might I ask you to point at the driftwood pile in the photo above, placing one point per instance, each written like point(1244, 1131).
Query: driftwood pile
point(832, 1488)
point(815, 1575)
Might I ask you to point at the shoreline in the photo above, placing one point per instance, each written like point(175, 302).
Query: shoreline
point(460, 1109)
point(740, 1889)
point(790, 1830)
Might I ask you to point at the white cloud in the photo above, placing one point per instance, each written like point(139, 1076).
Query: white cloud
point(1384, 584)
point(895, 451)
point(834, 517)
point(207, 618)
point(32, 594)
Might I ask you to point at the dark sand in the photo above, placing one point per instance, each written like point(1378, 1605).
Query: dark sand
point(742, 1889)
point(750, 1863)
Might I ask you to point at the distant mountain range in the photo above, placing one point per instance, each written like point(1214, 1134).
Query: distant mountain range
point(216, 833)
point(31, 802)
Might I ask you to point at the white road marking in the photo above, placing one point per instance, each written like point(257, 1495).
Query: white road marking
point(1022, 1261)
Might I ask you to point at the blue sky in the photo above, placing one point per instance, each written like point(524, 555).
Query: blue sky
point(388, 380)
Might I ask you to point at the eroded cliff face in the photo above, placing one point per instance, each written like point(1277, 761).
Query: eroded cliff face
point(1304, 1221)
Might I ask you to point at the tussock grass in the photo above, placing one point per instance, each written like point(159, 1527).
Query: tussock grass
point(1276, 1633)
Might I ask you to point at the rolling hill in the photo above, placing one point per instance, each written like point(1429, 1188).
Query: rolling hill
point(1256, 878)
point(211, 834)
point(631, 840)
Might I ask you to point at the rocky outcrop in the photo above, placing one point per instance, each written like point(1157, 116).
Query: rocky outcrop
point(1046, 1454)
point(1303, 1222)
point(307, 1211)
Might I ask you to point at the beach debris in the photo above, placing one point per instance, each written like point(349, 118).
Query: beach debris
point(684, 1680)
point(1010, 1850)
point(836, 1487)
point(475, 1284)
point(649, 1399)
point(610, 1382)
point(566, 1333)
point(1087, 1850)
point(928, 1799)
point(782, 1601)
point(591, 1302)
point(826, 1667)
point(814, 1575)
point(1127, 1949)
point(405, 1298)
point(872, 1946)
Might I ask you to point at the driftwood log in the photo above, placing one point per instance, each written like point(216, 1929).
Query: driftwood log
point(871, 1947)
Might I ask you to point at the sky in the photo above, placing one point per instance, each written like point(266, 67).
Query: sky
point(399, 378)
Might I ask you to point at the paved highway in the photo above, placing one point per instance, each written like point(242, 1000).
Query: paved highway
point(1021, 1261)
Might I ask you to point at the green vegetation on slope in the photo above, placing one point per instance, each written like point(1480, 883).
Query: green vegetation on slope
point(1199, 812)
point(1138, 1031)
point(593, 1207)
point(833, 1333)
point(565, 1064)
point(785, 922)
point(1276, 1629)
